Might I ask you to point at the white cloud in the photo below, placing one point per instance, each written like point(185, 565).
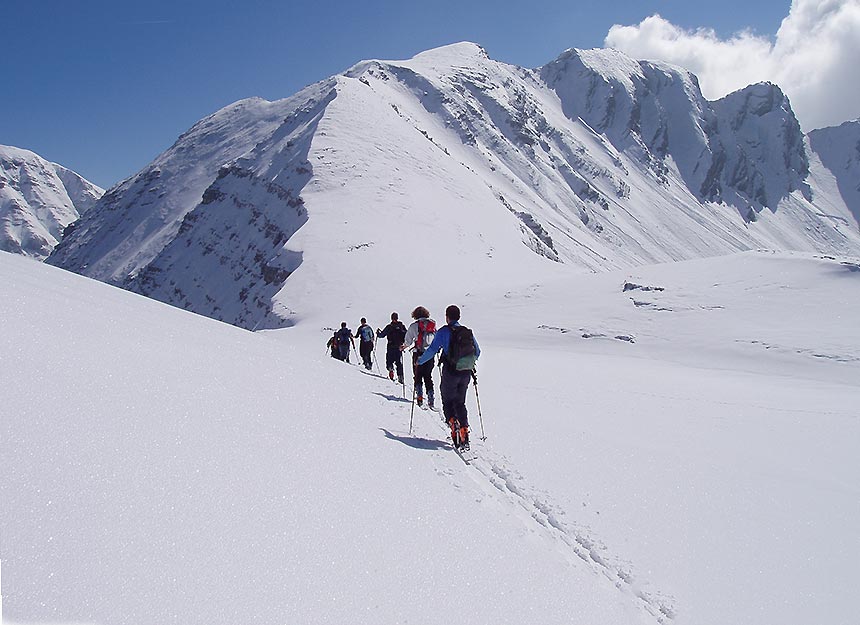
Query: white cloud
point(814, 57)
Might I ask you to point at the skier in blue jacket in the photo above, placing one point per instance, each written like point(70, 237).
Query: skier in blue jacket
point(455, 382)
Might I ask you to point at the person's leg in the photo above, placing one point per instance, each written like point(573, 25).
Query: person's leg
point(399, 363)
point(426, 374)
point(425, 379)
point(416, 380)
point(463, 378)
point(389, 362)
point(450, 394)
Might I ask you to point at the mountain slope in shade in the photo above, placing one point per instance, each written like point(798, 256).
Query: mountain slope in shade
point(596, 161)
point(838, 150)
point(38, 199)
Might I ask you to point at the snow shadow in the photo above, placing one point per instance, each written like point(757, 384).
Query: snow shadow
point(395, 398)
point(427, 444)
point(375, 375)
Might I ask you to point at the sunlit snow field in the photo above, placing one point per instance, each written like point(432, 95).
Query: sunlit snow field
point(684, 455)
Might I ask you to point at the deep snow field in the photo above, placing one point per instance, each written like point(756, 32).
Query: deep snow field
point(681, 452)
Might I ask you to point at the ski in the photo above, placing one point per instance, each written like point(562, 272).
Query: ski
point(466, 456)
point(462, 455)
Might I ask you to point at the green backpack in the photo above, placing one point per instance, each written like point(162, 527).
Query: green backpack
point(461, 349)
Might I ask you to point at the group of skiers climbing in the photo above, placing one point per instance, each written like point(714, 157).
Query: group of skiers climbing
point(459, 352)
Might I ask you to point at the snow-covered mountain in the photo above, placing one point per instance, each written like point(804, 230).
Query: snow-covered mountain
point(838, 150)
point(38, 199)
point(596, 160)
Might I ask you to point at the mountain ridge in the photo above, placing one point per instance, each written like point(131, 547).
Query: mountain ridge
point(595, 160)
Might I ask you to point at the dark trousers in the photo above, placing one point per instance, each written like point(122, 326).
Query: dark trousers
point(423, 375)
point(365, 348)
point(393, 356)
point(344, 351)
point(453, 387)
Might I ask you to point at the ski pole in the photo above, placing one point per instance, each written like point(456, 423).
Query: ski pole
point(478, 399)
point(376, 359)
point(402, 374)
point(412, 412)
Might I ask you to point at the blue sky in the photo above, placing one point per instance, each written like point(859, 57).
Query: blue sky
point(103, 87)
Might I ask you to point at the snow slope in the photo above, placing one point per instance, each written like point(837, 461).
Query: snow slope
point(38, 200)
point(596, 161)
point(681, 451)
point(838, 150)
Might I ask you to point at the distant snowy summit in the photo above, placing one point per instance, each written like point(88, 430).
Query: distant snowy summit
point(38, 200)
point(264, 210)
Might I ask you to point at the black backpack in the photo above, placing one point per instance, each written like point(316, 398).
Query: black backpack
point(461, 349)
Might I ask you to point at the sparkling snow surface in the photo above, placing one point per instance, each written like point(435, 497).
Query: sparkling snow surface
point(682, 452)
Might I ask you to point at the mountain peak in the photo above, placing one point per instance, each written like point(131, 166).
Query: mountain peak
point(464, 52)
point(38, 199)
point(608, 63)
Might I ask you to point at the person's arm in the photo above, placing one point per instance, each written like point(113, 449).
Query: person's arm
point(383, 333)
point(440, 341)
point(411, 335)
point(477, 348)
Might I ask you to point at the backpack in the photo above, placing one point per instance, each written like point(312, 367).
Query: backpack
point(426, 332)
point(366, 333)
point(461, 349)
point(343, 336)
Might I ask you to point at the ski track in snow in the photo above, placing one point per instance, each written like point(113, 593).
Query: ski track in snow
point(804, 351)
point(502, 484)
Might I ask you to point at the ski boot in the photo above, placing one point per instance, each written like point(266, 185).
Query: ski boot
point(464, 438)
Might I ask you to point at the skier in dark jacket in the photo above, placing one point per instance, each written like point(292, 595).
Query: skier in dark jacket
point(332, 345)
point(344, 338)
point(395, 332)
point(455, 382)
point(364, 334)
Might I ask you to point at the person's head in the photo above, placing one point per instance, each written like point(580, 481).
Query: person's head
point(394, 316)
point(363, 321)
point(452, 313)
point(343, 324)
point(420, 313)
